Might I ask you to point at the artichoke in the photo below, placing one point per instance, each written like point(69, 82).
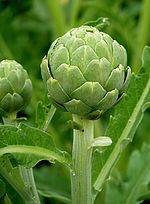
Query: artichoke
point(85, 71)
point(15, 87)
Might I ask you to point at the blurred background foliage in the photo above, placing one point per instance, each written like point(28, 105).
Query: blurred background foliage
point(27, 29)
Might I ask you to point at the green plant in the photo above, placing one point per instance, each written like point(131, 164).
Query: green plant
point(16, 88)
point(38, 163)
point(85, 72)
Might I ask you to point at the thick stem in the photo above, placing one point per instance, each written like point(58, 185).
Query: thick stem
point(81, 158)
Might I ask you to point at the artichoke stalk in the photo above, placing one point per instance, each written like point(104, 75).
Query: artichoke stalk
point(85, 71)
point(15, 94)
point(15, 88)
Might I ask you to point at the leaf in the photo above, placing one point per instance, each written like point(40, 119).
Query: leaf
point(29, 145)
point(128, 114)
point(48, 184)
point(100, 23)
point(13, 181)
point(44, 115)
point(2, 188)
point(7, 200)
point(41, 113)
point(97, 161)
point(135, 184)
point(53, 194)
point(101, 141)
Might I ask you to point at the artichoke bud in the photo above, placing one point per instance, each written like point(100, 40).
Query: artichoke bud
point(85, 71)
point(15, 87)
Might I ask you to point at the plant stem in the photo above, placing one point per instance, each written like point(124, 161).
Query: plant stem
point(75, 5)
point(143, 34)
point(28, 178)
point(81, 161)
point(4, 48)
point(57, 15)
point(15, 182)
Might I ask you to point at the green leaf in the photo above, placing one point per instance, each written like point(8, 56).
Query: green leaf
point(97, 162)
point(41, 114)
point(57, 196)
point(48, 184)
point(7, 200)
point(128, 114)
point(29, 145)
point(100, 23)
point(14, 182)
point(131, 187)
point(44, 114)
point(101, 141)
point(2, 188)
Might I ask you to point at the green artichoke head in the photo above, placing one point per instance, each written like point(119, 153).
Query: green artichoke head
point(15, 87)
point(85, 72)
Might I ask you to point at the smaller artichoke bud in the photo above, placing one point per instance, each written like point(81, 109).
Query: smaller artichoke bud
point(85, 72)
point(15, 88)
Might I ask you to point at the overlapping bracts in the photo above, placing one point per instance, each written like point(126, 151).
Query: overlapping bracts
point(15, 87)
point(85, 71)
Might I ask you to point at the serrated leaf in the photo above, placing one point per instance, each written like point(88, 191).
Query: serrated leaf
point(131, 187)
point(128, 114)
point(29, 145)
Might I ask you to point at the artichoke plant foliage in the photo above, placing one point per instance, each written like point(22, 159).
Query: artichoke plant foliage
point(85, 72)
point(15, 87)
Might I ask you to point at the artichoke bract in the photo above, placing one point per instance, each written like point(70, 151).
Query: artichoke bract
point(15, 87)
point(85, 71)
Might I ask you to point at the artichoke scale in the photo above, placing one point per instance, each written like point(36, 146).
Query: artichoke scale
point(116, 79)
point(90, 93)
point(56, 92)
point(58, 57)
point(26, 91)
point(119, 55)
point(82, 56)
point(69, 77)
point(109, 100)
point(45, 72)
point(73, 43)
point(98, 70)
point(77, 107)
point(5, 87)
point(102, 50)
